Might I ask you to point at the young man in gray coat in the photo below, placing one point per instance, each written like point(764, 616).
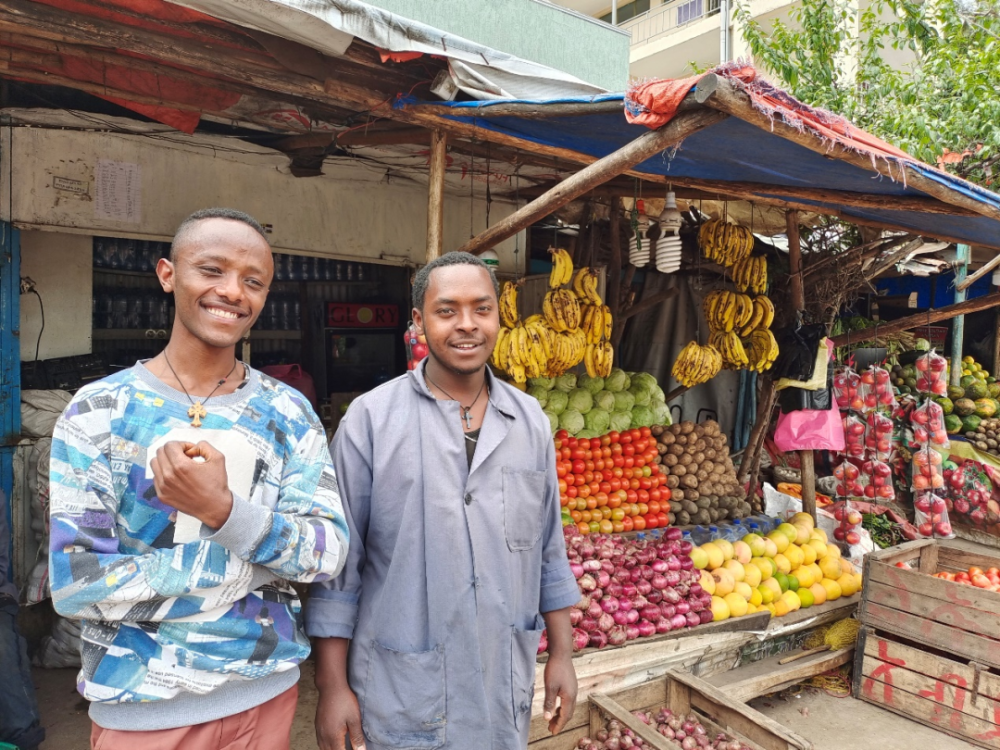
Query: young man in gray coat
point(457, 559)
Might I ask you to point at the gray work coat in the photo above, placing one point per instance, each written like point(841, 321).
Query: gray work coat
point(449, 566)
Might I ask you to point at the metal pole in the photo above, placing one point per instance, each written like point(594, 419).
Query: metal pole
point(614, 12)
point(958, 322)
point(10, 369)
point(723, 31)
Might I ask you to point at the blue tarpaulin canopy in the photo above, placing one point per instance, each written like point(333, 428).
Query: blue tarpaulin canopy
point(743, 157)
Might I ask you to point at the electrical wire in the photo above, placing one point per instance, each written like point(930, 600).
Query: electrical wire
point(41, 309)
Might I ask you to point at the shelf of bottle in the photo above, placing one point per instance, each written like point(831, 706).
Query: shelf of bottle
point(152, 276)
point(159, 334)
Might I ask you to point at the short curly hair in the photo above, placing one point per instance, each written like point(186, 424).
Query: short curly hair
point(423, 277)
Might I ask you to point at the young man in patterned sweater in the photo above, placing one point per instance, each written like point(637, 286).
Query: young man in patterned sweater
point(186, 492)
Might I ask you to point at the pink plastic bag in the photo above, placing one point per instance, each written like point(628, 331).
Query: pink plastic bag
point(295, 377)
point(809, 429)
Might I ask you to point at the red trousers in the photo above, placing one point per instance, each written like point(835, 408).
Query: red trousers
point(266, 727)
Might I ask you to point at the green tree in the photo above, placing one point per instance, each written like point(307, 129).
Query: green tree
point(943, 106)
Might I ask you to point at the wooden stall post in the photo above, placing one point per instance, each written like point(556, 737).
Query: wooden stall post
point(614, 284)
point(806, 459)
point(958, 322)
point(435, 196)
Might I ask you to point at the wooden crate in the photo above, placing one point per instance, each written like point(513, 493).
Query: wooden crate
point(954, 618)
point(930, 687)
point(682, 693)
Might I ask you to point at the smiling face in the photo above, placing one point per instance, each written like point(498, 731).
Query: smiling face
point(219, 276)
point(460, 318)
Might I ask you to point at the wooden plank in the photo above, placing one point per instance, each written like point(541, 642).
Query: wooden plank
point(803, 619)
point(768, 675)
point(985, 269)
point(952, 640)
point(950, 693)
point(645, 146)
point(567, 739)
point(986, 302)
point(963, 558)
point(929, 713)
point(946, 613)
point(525, 110)
point(741, 718)
point(678, 696)
point(580, 718)
point(936, 588)
point(982, 683)
point(613, 710)
point(906, 552)
point(929, 560)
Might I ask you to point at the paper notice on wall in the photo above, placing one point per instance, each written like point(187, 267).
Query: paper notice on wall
point(119, 191)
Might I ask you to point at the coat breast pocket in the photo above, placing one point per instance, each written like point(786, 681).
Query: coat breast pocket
point(405, 698)
point(523, 501)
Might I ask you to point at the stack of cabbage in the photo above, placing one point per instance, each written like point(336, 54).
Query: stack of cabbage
point(590, 407)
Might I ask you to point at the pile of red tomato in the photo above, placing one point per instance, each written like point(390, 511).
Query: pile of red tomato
point(988, 579)
point(612, 483)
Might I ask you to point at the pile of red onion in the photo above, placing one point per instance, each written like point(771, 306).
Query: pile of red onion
point(686, 731)
point(633, 588)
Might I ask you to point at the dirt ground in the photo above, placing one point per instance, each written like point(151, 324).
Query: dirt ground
point(829, 723)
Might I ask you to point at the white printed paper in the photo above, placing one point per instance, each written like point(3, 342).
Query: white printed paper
point(119, 191)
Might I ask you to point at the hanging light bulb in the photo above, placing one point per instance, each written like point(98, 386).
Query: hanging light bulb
point(639, 251)
point(668, 247)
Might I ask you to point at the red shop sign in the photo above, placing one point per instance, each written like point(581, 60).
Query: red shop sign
point(344, 315)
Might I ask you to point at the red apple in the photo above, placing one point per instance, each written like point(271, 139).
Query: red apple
point(853, 537)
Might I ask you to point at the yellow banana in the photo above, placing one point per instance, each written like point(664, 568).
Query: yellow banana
point(508, 304)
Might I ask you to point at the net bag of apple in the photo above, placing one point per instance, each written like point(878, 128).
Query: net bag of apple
point(932, 376)
point(931, 516)
point(845, 389)
point(970, 492)
point(848, 520)
point(928, 427)
point(878, 436)
point(875, 390)
point(854, 436)
point(850, 482)
point(878, 485)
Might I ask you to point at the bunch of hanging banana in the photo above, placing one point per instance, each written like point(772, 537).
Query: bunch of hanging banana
point(562, 310)
point(731, 348)
point(696, 364)
point(520, 351)
point(508, 305)
point(562, 268)
point(724, 243)
point(597, 359)
point(762, 317)
point(585, 286)
point(727, 311)
point(596, 322)
point(568, 350)
point(763, 350)
point(750, 274)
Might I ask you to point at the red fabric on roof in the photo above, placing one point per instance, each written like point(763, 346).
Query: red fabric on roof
point(183, 120)
point(398, 57)
point(655, 103)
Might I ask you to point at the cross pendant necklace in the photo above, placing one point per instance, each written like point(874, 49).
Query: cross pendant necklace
point(197, 411)
point(465, 409)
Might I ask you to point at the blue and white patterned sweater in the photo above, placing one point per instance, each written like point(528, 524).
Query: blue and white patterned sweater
point(181, 624)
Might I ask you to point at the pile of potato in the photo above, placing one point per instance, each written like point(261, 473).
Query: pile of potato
point(700, 474)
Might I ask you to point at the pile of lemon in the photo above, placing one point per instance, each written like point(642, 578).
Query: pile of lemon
point(794, 567)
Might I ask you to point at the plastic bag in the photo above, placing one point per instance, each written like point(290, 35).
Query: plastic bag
point(927, 471)
point(878, 436)
point(849, 480)
point(878, 480)
point(931, 516)
point(848, 520)
point(932, 376)
point(845, 389)
point(854, 436)
point(927, 421)
point(810, 430)
point(875, 390)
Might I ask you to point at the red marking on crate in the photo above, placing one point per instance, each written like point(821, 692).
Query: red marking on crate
point(883, 671)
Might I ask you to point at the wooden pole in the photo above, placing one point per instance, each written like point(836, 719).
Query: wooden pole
point(769, 397)
point(806, 458)
point(435, 196)
point(615, 268)
point(642, 148)
point(922, 319)
point(970, 280)
point(719, 93)
point(958, 322)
